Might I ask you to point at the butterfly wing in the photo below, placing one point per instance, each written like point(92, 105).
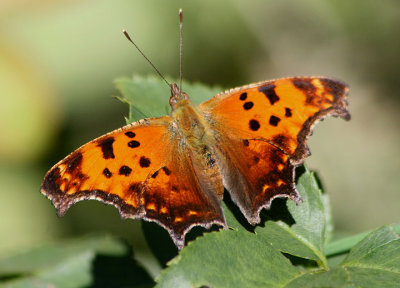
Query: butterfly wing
point(142, 170)
point(261, 131)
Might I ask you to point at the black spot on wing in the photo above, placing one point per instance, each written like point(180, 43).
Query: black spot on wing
point(107, 173)
point(130, 134)
point(133, 144)
point(106, 146)
point(166, 171)
point(246, 142)
point(125, 170)
point(248, 105)
point(269, 91)
point(288, 112)
point(273, 120)
point(144, 162)
point(243, 96)
point(254, 125)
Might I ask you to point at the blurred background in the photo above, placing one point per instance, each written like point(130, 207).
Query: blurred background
point(58, 60)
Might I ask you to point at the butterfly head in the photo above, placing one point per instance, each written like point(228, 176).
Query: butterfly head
point(178, 98)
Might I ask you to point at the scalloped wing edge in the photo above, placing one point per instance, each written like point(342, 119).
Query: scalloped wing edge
point(124, 210)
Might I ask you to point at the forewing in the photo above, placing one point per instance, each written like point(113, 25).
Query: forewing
point(281, 111)
point(261, 131)
point(133, 168)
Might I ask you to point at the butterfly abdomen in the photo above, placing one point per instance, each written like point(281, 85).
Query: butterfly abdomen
point(195, 137)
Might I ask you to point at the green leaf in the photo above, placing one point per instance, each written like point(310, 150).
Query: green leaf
point(72, 272)
point(75, 263)
point(231, 220)
point(146, 97)
point(379, 248)
point(240, 259)
point(310, 214)
point(373, 262)
point(306, 237)
point(343, 245)
point(149, 96)
point(283, 238)
point(228, 259)
point(51, 254)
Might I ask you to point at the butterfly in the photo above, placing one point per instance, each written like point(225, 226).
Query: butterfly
point(172, 170)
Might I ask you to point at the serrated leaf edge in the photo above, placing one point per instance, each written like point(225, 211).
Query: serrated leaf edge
point(323, 261)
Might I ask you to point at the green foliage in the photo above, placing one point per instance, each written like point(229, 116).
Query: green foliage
point(290, 249)
point(229, 259)
point(373, 262)
point(243, 259)
point(148, 96)
point(306, 237)
point(76, 263)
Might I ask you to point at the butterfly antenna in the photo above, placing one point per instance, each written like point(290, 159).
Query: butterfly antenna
point(148, 60)
point(180, 47)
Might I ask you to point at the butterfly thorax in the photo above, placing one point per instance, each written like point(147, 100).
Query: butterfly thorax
point(188, 121)
point(195, 137)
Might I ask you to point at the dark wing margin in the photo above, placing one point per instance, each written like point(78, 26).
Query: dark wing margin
point(261, 131)
point(124, 169)
point(338, 108)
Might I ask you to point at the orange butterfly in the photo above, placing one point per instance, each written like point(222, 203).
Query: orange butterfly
point(173, 169)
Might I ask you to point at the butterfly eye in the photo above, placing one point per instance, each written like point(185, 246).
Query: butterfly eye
point(172, 102)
